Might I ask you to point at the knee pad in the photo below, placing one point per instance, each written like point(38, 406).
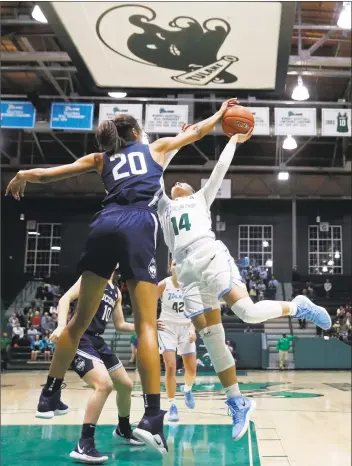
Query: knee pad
point(245, 309)
point(214, 341)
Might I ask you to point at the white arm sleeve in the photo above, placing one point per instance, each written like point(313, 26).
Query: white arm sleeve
point(212, 186)
point(168, 157)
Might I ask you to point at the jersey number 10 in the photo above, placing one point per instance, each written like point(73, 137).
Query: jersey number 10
point(183, 224)
point(132, 156)
point(107, 313)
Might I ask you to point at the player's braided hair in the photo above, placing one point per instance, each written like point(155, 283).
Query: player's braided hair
point(112, 135)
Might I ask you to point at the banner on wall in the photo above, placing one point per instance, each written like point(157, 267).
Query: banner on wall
point(262, 120)
point(17, 114)
point(109, 111)
point(224, 191)
point(165, 118)
point(295, 121)
point(336, 122)
point(72, 116)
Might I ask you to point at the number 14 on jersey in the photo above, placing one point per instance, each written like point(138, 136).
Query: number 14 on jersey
point(182, 224)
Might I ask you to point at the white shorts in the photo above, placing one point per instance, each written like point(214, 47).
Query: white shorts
point(176, 337)
point(206, 273)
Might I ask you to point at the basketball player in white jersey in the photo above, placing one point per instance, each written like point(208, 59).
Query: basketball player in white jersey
point(207, 273)
point(176, 332)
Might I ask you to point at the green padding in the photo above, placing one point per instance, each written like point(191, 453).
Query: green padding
point(317, 353)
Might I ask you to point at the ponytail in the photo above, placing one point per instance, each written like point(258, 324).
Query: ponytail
point(107, 137)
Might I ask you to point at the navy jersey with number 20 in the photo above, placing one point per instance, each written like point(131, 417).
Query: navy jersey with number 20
point(132, 177)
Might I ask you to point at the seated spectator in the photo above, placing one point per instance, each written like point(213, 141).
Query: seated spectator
point(32, 333)
point(48, 298)
point(272, 288)
point(5, 351)
point(36, 320)
point(53, 309)
point(49, 347)
point(310, 293)
point(52, 324)
point(261, 289)
point(253, 294)
point(17, 333)
point(45, 323)
point(327, 288)
point(13, 320)
point(37, 346)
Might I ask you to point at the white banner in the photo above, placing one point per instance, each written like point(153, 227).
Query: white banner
point(224, 191)
point(109, 111)
point(262, 120)
point(165, 118)
point(336, 122)
point(296, 121)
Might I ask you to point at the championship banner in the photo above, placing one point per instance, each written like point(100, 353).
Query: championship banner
point(262, 120)
point(295, 121)
point(72, 116)
point(165, 118)
point(17, 114)
point(224, 191)
point(109, 111)
point(336, 122)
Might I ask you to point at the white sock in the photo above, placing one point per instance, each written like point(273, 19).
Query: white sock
point(172, 401)
point(187, 388)
point(293, 308)
point(232, 390)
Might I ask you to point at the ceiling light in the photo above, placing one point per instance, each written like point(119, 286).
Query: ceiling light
point(300, 92)
point(337, 255)
point(117, 95)
point(269, 263)
point(331, 262)
point(55, 248)
point(289, 143)
point(283, 176)
point(38, 15)
point(265, 244)
point(344, 20)
point(325, 269)
point(34, 233)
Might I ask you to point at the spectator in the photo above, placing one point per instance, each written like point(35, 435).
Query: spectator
point(5, 350)
point(36, 320)
point(40, 293)
point(53, 322)
point(45, 323)
point(32, 333)
point(13, 320)
point(134, 345)
point(49, 347)
point(283, 346)
point(327, 288)
point(261, 289)
point(48, 298)
point(37, 346)
point(253, 294)
point(310, 293)
point(302, 323)
point(232, 347)
point(17, 333)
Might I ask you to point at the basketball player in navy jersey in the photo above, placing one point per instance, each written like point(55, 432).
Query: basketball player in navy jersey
point(100, 368)
point(123, 232)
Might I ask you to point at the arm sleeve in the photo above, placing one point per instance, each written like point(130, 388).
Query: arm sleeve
point(168, 157)
point(212, 186)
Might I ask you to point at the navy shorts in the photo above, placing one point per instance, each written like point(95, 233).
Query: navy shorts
point(122, 235)
point(93, 348)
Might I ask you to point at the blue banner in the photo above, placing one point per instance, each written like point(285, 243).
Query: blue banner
point(17, 114)
point(72, 116)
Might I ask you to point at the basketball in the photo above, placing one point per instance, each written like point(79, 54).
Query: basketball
point(236, 120)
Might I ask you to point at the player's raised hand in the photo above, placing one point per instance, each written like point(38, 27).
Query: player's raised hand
point(56, 334)
point(240, 138)
point(228, 103)
point(16, 187)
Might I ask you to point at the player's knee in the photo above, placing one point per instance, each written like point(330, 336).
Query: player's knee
point(126, 385)
point(214, 341)
point(245, 309)
point(104, 386)
point(170, 365)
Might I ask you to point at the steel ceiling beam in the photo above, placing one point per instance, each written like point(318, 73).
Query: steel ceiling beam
point(252, 101)
point(319, 43)
point(34, 56)
point(298, 151)
point(37, 142)
point(318, 27)
point(332, 62)
point(20, 22)
point(319, 73)
point(30, 69)
point(64, 146)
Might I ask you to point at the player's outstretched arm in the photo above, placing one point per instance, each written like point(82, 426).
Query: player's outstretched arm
point(213, 184)
point(64, 308)
point(161, 147)
point(91, 162)
point(118, 319)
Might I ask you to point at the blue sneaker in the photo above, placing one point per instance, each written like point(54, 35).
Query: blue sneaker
point(241, 409)
point(189, 398)
point(310, 311)
point(173, 414)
